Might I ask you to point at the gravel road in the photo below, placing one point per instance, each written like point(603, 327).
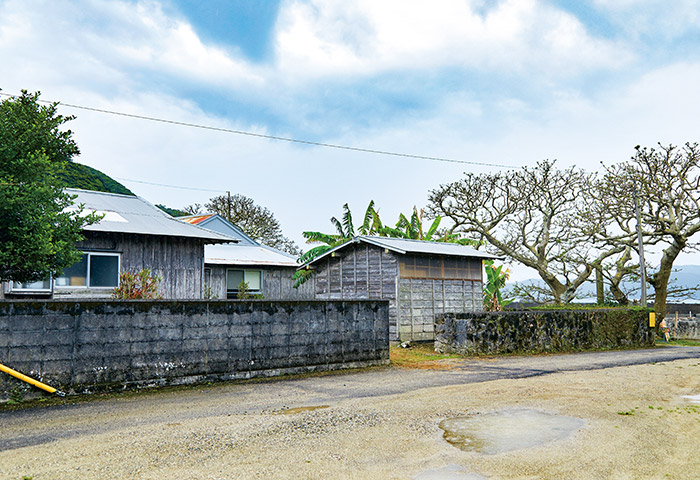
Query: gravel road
point(380, 423)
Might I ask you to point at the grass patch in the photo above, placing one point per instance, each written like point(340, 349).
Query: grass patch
point(678, 343)
point(419, 355)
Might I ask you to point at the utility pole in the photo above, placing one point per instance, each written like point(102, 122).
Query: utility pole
point(642, 264)
point(228, 202)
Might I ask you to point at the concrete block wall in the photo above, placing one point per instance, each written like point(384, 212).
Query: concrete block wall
point(84, 346)
point(422, 299)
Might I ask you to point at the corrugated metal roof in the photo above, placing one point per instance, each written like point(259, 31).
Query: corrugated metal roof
point(403, 246)
point(217, 223)
point(130, 214)
point(195, 219)
point(247, 255)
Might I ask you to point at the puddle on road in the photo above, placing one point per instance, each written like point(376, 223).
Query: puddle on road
point(507, 430)
point(292, 411)
point(694, 399)
point(450, 472)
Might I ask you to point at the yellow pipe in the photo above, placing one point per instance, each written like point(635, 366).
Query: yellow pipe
point(30, 380)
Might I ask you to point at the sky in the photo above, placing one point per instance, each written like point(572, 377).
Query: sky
point(487, 82)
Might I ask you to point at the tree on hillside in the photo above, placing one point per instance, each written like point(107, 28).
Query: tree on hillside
point(667, 182)
point(531, 215)
point(76, 175)
point(256, 221)
point(40, 227)
point(173, 212)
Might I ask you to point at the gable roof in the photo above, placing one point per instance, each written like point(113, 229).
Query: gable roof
point(403, 246)
point(214, 221)
point(246, 252)
point(130, 214)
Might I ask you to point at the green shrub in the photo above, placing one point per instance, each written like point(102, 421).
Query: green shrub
point(137, 286)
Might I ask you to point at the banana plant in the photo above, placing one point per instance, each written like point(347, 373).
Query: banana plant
point(413, 229)
point(345, 231)
point(495, 280)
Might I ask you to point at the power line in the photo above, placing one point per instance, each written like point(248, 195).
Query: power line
point(169, 186)
point(270, 137)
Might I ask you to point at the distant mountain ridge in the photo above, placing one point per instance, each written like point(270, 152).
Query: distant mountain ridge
point(77, 175)
point(685, 276)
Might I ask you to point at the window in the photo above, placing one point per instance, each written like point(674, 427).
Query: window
point(456, 268)
point(234, 278)
point(41, 286)
point(95, 270)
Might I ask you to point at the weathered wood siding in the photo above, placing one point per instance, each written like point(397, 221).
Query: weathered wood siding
point(277, 283)
point(177, 260)
point(359, 272)
point(363, 271)
point(431, 285)
point(421, 299)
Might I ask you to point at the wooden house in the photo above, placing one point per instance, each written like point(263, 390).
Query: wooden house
point(132, 235)
point(419, 279)
point(266, 270)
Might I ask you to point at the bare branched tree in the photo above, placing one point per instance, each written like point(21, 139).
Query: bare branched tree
point(256, 221)
point(667, 182)
point(532, 215)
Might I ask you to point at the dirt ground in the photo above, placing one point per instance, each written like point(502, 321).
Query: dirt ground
point(637, 426)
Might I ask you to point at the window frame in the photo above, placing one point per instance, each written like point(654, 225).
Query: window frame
point(438, 267)
point(87, 285)
point(11, 289)
point(244, 270)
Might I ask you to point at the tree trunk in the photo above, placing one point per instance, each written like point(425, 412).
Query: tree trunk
point(599, 287)
point(618, 294)
point(557, 288)
point(661, 277)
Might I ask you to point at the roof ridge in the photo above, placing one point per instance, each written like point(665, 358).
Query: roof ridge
point(101, 193)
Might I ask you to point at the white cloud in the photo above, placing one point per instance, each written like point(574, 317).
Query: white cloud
point(368, 37)
point(99, 44)
point(131, 57)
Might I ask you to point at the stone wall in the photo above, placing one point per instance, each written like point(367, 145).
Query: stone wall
point(86, 346)
point(685, 328)
point(541, 331)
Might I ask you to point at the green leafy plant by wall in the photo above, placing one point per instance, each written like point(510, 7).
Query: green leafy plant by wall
point(244, 292)
point(209, 294)
point(136, 286)
point(496, 279)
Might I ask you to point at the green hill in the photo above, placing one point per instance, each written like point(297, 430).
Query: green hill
point(173, 212)
point(77, 175)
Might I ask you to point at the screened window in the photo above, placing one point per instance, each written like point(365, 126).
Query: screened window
point(234, 278)
point(96, 270)
point(451, 268)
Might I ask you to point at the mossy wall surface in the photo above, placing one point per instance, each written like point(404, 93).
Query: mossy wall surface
point(100, 345)
point(484, 333)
